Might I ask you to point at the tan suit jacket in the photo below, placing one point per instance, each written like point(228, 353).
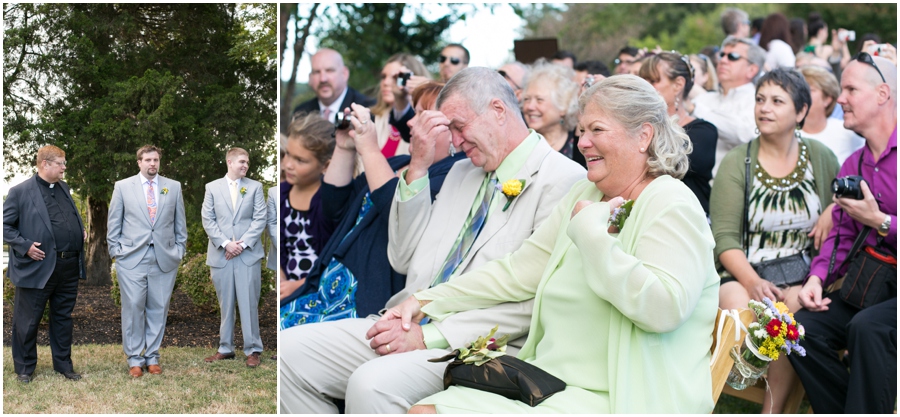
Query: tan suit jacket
point(422, 234)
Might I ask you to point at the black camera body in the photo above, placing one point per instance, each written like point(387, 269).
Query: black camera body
point(847, 187)
point(402, 78)
point(341, 121)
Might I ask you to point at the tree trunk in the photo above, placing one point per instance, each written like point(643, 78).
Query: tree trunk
point(299, 47)
point(97, 255)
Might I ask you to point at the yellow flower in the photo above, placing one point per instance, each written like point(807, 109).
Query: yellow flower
point(164, 191)
point(782, 308)
point(243, 190)
point(512, 188)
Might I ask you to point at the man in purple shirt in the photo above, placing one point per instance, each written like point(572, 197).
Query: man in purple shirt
point(869, 101)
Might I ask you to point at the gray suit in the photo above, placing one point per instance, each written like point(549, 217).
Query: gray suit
point(272, 227)
point(236, 280)
point(333, 360)
point(147, 258)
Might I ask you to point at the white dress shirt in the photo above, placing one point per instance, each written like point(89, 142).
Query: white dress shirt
point(335, 106)
point(732, 114)
point(238, 199)
point(144, 186)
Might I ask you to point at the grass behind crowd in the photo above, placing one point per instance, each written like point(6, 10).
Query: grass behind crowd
point(188, 385)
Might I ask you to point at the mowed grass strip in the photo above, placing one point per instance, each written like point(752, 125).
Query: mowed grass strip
point(187, 384)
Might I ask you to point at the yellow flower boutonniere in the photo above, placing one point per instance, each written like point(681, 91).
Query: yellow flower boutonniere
point(511, 189)
point(243, 190)
point(164, 191)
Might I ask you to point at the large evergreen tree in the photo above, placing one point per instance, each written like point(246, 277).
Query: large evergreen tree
point(101, 80)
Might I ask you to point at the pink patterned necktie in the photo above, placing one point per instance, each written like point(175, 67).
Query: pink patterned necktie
point(326, 114)
point(151, 202)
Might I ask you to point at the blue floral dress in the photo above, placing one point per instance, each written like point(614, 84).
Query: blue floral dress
point(336, 297)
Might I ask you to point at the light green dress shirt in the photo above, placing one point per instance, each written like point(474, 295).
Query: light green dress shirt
point(625, 320)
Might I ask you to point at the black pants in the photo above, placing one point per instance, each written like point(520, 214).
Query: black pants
point(61, 291)
point(870, 335)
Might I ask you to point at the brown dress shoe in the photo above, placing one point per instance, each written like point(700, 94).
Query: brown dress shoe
point(220, 356)
point(135, 372)
point(154, 369)
point(253, 360)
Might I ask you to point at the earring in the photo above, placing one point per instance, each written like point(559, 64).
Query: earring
point(642, 150)
point(757, 131)
point(562, 120)
point(677, 102)
point(797, 131)
point(452, 150)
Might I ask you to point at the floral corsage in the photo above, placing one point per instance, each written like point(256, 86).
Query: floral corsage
point(511, 189)
point(164, 191)
point(484, 348)
point(620, 214)
point(243, 190)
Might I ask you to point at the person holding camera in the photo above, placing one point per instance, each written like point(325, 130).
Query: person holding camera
point(832, 323)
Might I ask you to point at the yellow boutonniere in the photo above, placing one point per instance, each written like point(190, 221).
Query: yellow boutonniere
point(511, 189)
point(243, 190)
point(164, 191)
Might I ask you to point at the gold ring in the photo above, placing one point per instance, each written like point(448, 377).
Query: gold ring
point(389, 348)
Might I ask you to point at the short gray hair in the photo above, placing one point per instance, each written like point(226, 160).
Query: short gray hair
point(563, 90)
point(478, 86)
point(755, 54)
point(732, 18)
point(632, 101)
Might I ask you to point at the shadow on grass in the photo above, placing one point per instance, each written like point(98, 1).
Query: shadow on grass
point(187, 384)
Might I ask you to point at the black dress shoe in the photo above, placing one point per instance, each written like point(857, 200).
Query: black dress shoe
point(23, 378)
point(71, 375)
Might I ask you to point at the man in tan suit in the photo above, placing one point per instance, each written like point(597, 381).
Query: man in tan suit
point(470, 223)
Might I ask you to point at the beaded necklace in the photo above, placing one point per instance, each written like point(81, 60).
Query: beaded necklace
point(789, 182)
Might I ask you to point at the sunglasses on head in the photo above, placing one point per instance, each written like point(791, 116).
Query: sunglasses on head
point(732, 56)
point(865, 58)
point(505, 75)
point(453, 60)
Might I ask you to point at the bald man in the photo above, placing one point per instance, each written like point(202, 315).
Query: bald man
point(328, 78)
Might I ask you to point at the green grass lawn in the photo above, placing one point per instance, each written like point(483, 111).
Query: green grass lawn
point(187, 384)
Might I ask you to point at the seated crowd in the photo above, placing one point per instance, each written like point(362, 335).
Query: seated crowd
point(598, 219)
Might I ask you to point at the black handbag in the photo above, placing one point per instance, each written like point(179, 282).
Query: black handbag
point(506, 375)
point(783, 272)
point(872, 275)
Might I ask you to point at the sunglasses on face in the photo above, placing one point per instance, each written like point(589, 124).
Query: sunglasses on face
point(505, 75)
point(453, 60)
point(619, 61)
point(865, 58)
point(732, 56)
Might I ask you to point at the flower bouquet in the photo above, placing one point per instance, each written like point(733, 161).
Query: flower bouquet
point(774, 332)
point(484, 349)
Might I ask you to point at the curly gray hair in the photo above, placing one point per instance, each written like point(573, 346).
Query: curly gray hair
point(563, 90)
point(632, 102)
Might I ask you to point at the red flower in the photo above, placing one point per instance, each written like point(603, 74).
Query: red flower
point(774, 328)
point(792, 333)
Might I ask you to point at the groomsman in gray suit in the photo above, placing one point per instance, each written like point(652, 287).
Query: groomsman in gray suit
point(147, 235)
point(234, 216)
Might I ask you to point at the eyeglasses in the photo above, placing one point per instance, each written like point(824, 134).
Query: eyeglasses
point(619, 61)
point(865, 58)
point(453, 60)
point(60, 163)
point(505, 75)
point(732, 56)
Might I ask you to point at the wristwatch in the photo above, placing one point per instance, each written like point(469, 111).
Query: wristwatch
point(885, 225)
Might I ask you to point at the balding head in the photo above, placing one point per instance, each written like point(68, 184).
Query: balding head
point(869, 102)
point(515, 73)
point(328, 77)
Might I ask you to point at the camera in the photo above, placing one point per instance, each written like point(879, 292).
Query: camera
point(846, 35)
point(402, 78)
point(341, 121)
point(875, 50)
point(847, 187)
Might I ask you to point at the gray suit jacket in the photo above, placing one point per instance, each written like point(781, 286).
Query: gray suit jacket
point(128, 225)
point(25, 221)
point(422, 235)
point(222, 223)
point(272, 227)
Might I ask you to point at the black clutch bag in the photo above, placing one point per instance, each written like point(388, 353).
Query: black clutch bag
point(506, 375)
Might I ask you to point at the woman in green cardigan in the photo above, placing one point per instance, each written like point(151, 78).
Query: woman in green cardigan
point(624, 317)
point(790, 186)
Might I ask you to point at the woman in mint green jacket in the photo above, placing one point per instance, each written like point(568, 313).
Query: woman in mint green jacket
point(624, 317)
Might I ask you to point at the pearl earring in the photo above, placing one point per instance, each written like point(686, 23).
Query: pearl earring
point(642, 149)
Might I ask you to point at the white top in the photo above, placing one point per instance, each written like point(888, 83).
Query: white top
point(732, 114)
point(780, 55)
point(843, 142)
point(335, 106)
point(237, 183)
point(144, 185)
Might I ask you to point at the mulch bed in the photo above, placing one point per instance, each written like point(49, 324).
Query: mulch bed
point(98, 320)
